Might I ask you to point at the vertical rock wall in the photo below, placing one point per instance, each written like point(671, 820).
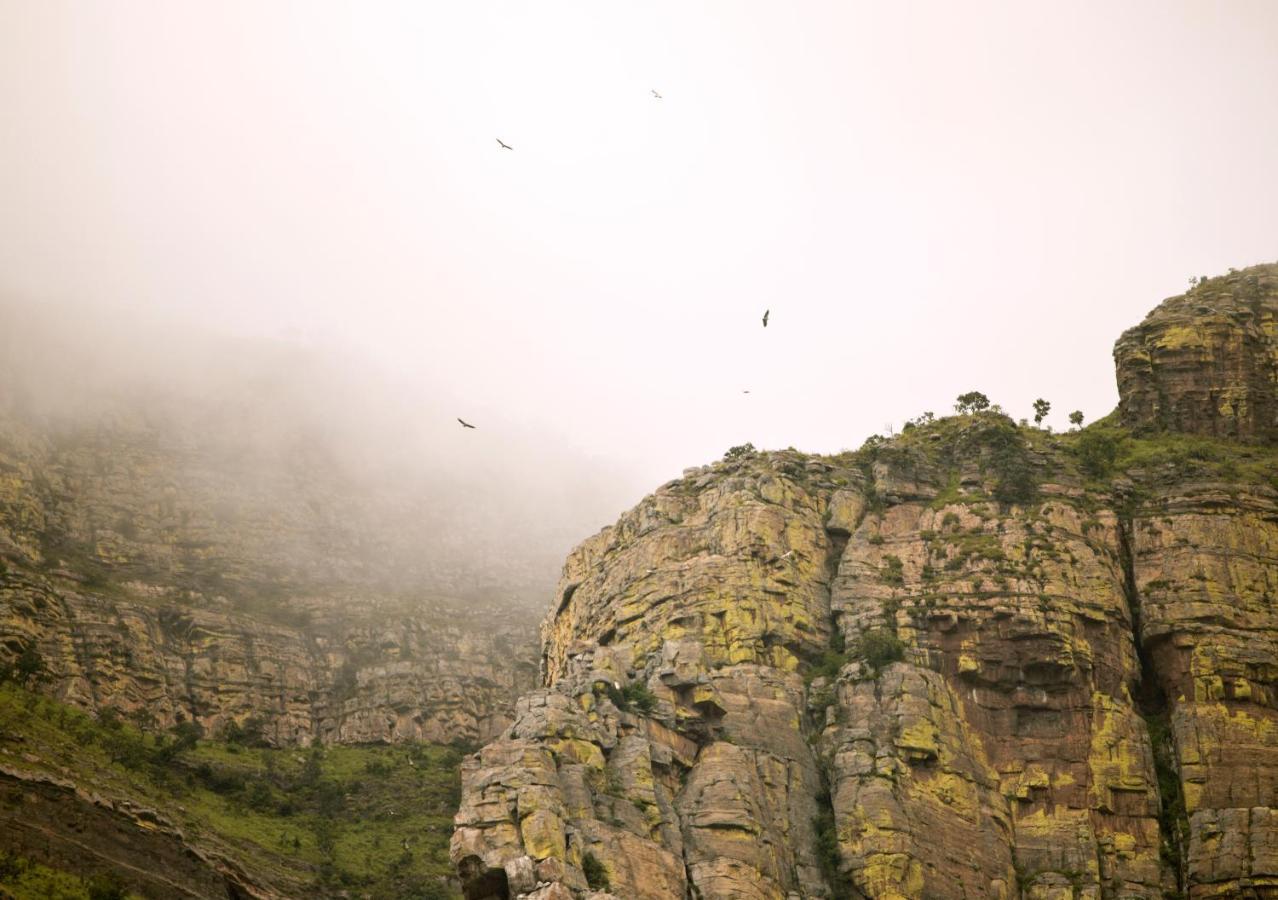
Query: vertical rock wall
point(973, 661)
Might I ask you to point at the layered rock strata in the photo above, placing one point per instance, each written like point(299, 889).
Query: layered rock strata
point(175, 578)
point(976, 660)
point(1206, 362)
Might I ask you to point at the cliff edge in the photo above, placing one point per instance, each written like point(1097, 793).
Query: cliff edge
point(974, 660)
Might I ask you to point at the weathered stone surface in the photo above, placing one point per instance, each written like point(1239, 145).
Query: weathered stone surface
point(1011, 715)
point(176, 576)
point(752, 531)
point(1205, 560)
point(967, 662)
point(341, 679)
point(1206, 362)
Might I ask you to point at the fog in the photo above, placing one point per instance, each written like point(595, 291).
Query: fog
point(302, 208)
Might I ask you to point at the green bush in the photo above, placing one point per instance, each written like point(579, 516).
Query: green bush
point(879, 647)
point(828, 665)
point(27, 668)
point(596, 874)
point(106, 886)
point(636, 694)
point(1097, 452)
point(893, 571)
point(827, 850)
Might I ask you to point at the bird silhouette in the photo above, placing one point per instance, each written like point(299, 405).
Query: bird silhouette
point(504, 144)
point(745, 392)
point(655, 94)
point(766, 313)
point(464, 423)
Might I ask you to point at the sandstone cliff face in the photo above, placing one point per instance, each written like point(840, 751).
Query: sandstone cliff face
point(174, 577)
point(1206, 362)
point(972, 661)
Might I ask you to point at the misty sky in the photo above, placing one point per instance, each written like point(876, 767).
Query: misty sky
point(930, 197)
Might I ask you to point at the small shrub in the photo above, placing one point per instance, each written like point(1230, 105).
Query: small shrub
point(879, 647)
point(741, 451)
point(106, 886)
point(378, 768)
point(595, 872)
point(637, 695)
point(1097, 452)
point(827, 851)
point(27, 669)
point(828, 665)
point(893, 571)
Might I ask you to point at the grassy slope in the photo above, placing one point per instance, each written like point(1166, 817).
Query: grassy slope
point(373, 821)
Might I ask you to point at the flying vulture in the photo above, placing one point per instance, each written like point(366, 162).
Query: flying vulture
point(504, 144)
point(655, 94)
point(464, 423)
point(765, 317)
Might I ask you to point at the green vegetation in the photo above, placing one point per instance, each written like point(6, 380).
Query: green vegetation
point(1173, 820)
point(1009, 460)
point(1105, 448)
point(971, 402)
point(23, 879)
point(596, 873)
point(741, 451)
point(827, 850)
point(1097, 452)
point(828, 665)
point(1012, 460)
point(879, 647)
point(893, 571)
point(634, 696)
point(1041, 409)
point(373, 820)
point(27, 668)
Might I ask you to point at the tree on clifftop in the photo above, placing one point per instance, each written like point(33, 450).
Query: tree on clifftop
point(1041, 409)
point(971, 402)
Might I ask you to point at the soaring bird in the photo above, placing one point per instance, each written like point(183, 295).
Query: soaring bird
point(766, 312)
point(745, 392)
point(464, 423)
point(504, 144)
point(655, 94)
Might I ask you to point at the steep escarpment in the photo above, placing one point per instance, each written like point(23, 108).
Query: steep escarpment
point(1206, 362)
point(975, 660)
point(158, 571)
point(217, 600)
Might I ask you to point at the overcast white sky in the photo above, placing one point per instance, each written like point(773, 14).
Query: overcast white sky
point(930, 197)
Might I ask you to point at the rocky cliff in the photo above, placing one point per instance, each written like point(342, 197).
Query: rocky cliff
point(974, 660)
point(162, 572)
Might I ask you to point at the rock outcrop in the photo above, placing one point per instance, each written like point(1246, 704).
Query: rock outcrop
point(975, 660)
point(1206, 362)
point(174, 575)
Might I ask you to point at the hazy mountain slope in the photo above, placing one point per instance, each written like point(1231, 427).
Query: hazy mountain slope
point(246, 541)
